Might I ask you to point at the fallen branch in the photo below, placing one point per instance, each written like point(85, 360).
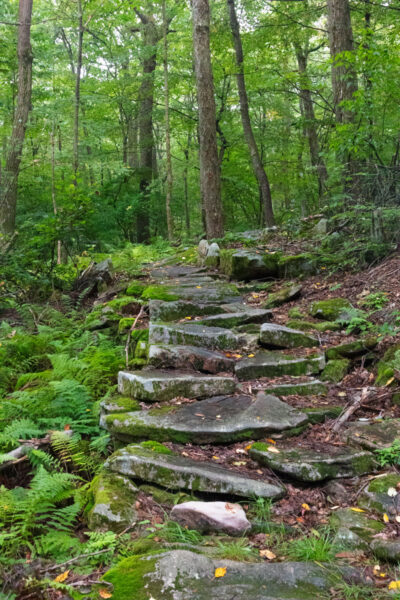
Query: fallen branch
point(20, 454)
point(357, 402)
point(141, 313)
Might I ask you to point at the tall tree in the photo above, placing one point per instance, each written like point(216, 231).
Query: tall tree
point(9, 181)
point(168, 195)
point(210, 176)
point(258, 167)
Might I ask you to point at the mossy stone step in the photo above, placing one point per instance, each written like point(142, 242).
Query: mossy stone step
point(332, 309)
point(304, 388)
point(276, 364)
point(161, 386)
point(174, 472)
point(185, 575)
point(251, 315)
point(352, 349)
point(248, 264)
point(285, 294)
point(179, 309)
point(310, 466)
point(112, 505)
point(189, 334)
point(373, 435)
point(273, 335)
point(354, 529)
point(206, 293)
point(376, 497)
point(215, 420)
point(189, 357)
point(322, 326)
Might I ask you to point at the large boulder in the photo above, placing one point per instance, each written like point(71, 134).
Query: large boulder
point(95, 278)
point(211, 516)
point(248, 264)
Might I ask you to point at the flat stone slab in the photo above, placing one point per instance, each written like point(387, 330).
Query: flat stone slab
point(373, 435)
point(243, 317)
point(276, 364)
point(161, 310)
point(387, 550)
point(185, 575)
point(211, 516)
point(313, 387)
point(189, 357)
point(285, 294)
point(161, 386)
point(382, 495)
point(354, 529)
point(206, 293)
point(215, 420)
point(278, 336)
point(214, 338)
point(176, 472)
point(176, 271)
point(309, 465)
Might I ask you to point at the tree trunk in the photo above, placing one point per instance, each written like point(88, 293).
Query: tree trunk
point(310, 128)
point(185, 185)
point(146, 140)
point(168, 195)
point(9, 182)
point(344, 76)
point(78, 92)
point(258, 167)
point(210, 176)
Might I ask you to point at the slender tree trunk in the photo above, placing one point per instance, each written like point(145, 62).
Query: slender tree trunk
point(210, 176)
point(168, 195)
point(9, 181)
point(310, 127)
point(344, 75)
point(78, 92)
point(146, 139)
point(258, 167)
point(185, 186)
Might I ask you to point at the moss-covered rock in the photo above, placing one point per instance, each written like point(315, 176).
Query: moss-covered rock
point(125, 324)
point(163, 497)
point(319, 414)
point(192, 334)
point(310, 325)
point(248, 264)
point(119, 404)
point(112, 504)
point(352, 349)
point(285, 294)
point(298, 265)
point(389, 363)
point(159, 292)
point(335, 370)
point(295, 313)
point(135, 288)
point(180, 309)
point(354, 529)
point(332, 309)
point(374, 435)
point(386, 550)
point(376, 497)
point(305, 388)
point(276, 364)
point(273, 335)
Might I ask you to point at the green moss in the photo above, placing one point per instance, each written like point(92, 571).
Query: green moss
point(260, 446)
point(121, 404)
point(331, 309)
point(156, 447)
point(159, 292)
point(164, 497)
point(297, 265)
point(135, 288)
point(125, 324)
point(119, 303)
point(389, 363)
point(382, 484)
point(352, 349)
point(110, 502)
point(295, 313)
point(319, 415)
point(129, 578)
point(309, 325)
point(335, 370)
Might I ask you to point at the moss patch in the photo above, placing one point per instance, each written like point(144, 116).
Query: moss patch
point(159, 292)
point(135, 288)
point(335, 370)
point(156, 447)
point(129, 578)
point(352, 349)
point(332, 309)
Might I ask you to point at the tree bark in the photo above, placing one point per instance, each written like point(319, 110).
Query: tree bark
point(344, 75)
point(168, 195)
point(77, 99)
point(210, 176)
point(9, 182)
point(258, 167)
point(310, 128)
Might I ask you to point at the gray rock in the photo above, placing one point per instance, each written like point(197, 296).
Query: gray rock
point(211, 516)
point(305, 388)
point(373, 435)
point(213, 250)
point(242, 317)
point(321, 228)
point(309, 465)
point(202, 248)
point(215, 420)
point(95, 278)
point(285, 294)
point(354, 529)
point(278, 336)
point(212, 258)
point(205, 292)
point(161, 386)
point(189, 357)
point(175, 472)
point(185, 575)
point(387, 550)
point(190, 334)
point(382, 495)
point(114, 499)
point(179, 309)
point(248, 264)
point(331, 309)
point(276, 364)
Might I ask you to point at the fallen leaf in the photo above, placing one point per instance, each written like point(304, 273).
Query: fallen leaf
point(259, 471)
point(105, 593)
point(305, 506)
point(198, 287)
point(188, 318)
point(355, 509)
point(62, 577)
point(220, 572)
point(271, 441)
point(397, 518)
point(394, 585)
point(342, 394)
point(216, 457)
point(248, 447)
point(67, 427)
point(239, 463)
point(250, 355)
point(273, 450)
point(389, 381)
point(267, 554)
point(385, 518)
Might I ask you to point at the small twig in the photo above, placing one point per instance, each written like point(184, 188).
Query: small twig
point(75, 559)
point(345, 416)
point(128, 341)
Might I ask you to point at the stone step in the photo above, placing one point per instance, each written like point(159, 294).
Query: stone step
point(233, 319)
point(310, 465)
point(174, 472)
point(179, 309)
point(186, 575)
point(207, 293)
point(215, 420)
point(312, 387)
point(161, 386)
point(273, 335)
point(189, 357)
point(373, 435)
point(190, 334)
point(276, 364)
